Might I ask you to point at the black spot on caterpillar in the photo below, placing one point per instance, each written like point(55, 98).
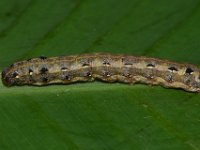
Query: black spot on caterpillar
point(189, 71)
point(150, 66)
point(43, 57)
point(173, 69)
point(106, 67)
point(44, 70)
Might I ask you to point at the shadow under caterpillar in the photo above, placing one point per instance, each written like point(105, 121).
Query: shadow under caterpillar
point(106, 67)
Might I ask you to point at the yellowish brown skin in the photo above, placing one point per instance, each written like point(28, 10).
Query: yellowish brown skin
point(106, 67)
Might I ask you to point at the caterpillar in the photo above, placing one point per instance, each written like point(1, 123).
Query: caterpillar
point(105, 67)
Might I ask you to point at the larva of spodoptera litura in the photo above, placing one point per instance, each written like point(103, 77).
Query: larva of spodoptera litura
point(106, 67)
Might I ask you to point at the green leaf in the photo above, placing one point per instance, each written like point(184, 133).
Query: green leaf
point(99, 115)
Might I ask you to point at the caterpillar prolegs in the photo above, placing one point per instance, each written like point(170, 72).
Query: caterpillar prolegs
point(106, 67)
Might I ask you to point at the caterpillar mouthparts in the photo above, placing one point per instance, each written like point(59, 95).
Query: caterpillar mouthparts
point(106, 67)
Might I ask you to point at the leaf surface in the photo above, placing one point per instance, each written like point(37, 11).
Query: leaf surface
point(99, 115)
